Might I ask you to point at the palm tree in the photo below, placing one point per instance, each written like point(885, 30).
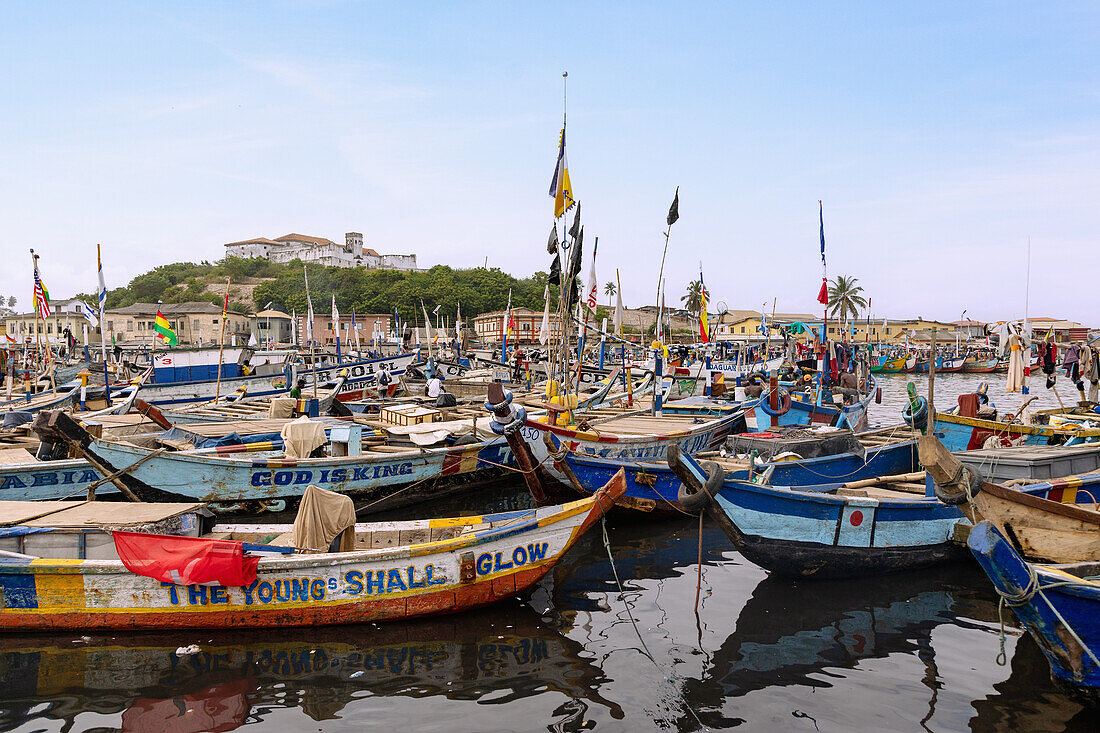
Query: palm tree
point(845, 298)
point(609, 290)
point(693, 298)
point(11, 302)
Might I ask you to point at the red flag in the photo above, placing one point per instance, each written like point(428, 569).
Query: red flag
point(185, 560)
point(823, 294)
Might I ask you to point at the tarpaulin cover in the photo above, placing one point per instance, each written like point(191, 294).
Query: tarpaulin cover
point(20, 531)
point(185, 560)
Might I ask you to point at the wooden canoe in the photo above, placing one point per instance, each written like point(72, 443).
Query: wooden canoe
point(1058, 604)
point(1039, 528)
point(397, 570)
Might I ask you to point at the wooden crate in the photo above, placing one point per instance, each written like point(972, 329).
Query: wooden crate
point(405, 415)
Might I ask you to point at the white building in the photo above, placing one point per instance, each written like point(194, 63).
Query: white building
point(321, 251)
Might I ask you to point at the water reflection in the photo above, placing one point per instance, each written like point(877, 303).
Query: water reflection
point(507, 653)
point(790, 631)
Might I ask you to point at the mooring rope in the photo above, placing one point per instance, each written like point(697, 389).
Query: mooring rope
point(671, 676)
point(1026, 594)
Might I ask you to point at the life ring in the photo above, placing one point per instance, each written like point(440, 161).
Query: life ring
point(917, 418)
point(783, 398)
point(974, 482)
point(695, 499)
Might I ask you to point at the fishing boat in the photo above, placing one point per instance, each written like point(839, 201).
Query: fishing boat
point(433, 459)
point(241, 406)
point(1055, 522)
point(974, 365)
point(628, 437)
point(97, 577)
point(814, 534)
point(1058, 604)
point(971, 425)
point(654, 488)
point(893, 366)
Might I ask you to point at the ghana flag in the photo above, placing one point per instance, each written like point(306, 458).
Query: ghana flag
point(164, 330)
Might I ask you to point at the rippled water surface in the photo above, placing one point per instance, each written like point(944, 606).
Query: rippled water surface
point(906, 652)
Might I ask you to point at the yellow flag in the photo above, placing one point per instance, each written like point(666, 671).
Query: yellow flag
point(561, 189)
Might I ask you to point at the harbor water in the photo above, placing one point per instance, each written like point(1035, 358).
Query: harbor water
point(906, 652)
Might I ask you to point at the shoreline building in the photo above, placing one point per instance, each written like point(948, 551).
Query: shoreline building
point(321, 251)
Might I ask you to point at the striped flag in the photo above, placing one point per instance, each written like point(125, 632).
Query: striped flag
point(41, 294)
point(704, 330)
point(102, 284)
point(164, 330)
point(89, 314)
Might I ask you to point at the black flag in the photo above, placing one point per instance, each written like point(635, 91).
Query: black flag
point(552, 243)
point(569, 280)
point(554, 278)
point(674, 210)
point(574, 230)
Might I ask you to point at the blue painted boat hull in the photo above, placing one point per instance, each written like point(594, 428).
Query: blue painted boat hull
point(653, 487)
point(814, 535)
point(1062, 613)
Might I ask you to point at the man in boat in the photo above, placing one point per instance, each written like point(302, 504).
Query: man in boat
point(296, 390)
point(435, 386)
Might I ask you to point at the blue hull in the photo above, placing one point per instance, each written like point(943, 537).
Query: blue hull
point(654, 487)
point(1061, 612)
point(809, 534)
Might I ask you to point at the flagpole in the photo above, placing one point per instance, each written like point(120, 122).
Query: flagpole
point(37, 317)
point(101, 296)
point(221, 344)
point(312, 339)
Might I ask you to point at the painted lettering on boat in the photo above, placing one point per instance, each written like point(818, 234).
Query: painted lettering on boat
point(353, 583)
point(49, 478)
point(299, 477)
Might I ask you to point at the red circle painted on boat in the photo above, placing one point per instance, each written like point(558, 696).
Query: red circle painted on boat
point(856, 518)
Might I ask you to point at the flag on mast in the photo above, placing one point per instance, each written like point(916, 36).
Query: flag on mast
point(823, 294)
point(506, 327)
point(704, 330)
point(674, 210)
point(544, 330)
point(164, 330)
point(41, 294)
point(309, 314)
point(590, 300)
point(561, 189)
point(102, 286)
point(89, 314)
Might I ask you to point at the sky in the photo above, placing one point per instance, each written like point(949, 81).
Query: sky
point(940, 137)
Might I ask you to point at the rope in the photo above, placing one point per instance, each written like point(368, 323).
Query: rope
point(645, 649)
point(1026, 594)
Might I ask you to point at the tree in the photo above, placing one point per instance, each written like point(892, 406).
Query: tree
point(12, 301)
point(845, 298)
point(609, 290)
point(693, 298)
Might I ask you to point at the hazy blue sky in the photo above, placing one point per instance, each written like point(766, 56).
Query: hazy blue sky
point(938, 135)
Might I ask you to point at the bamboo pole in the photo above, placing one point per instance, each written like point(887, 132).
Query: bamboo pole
point(221, 342)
